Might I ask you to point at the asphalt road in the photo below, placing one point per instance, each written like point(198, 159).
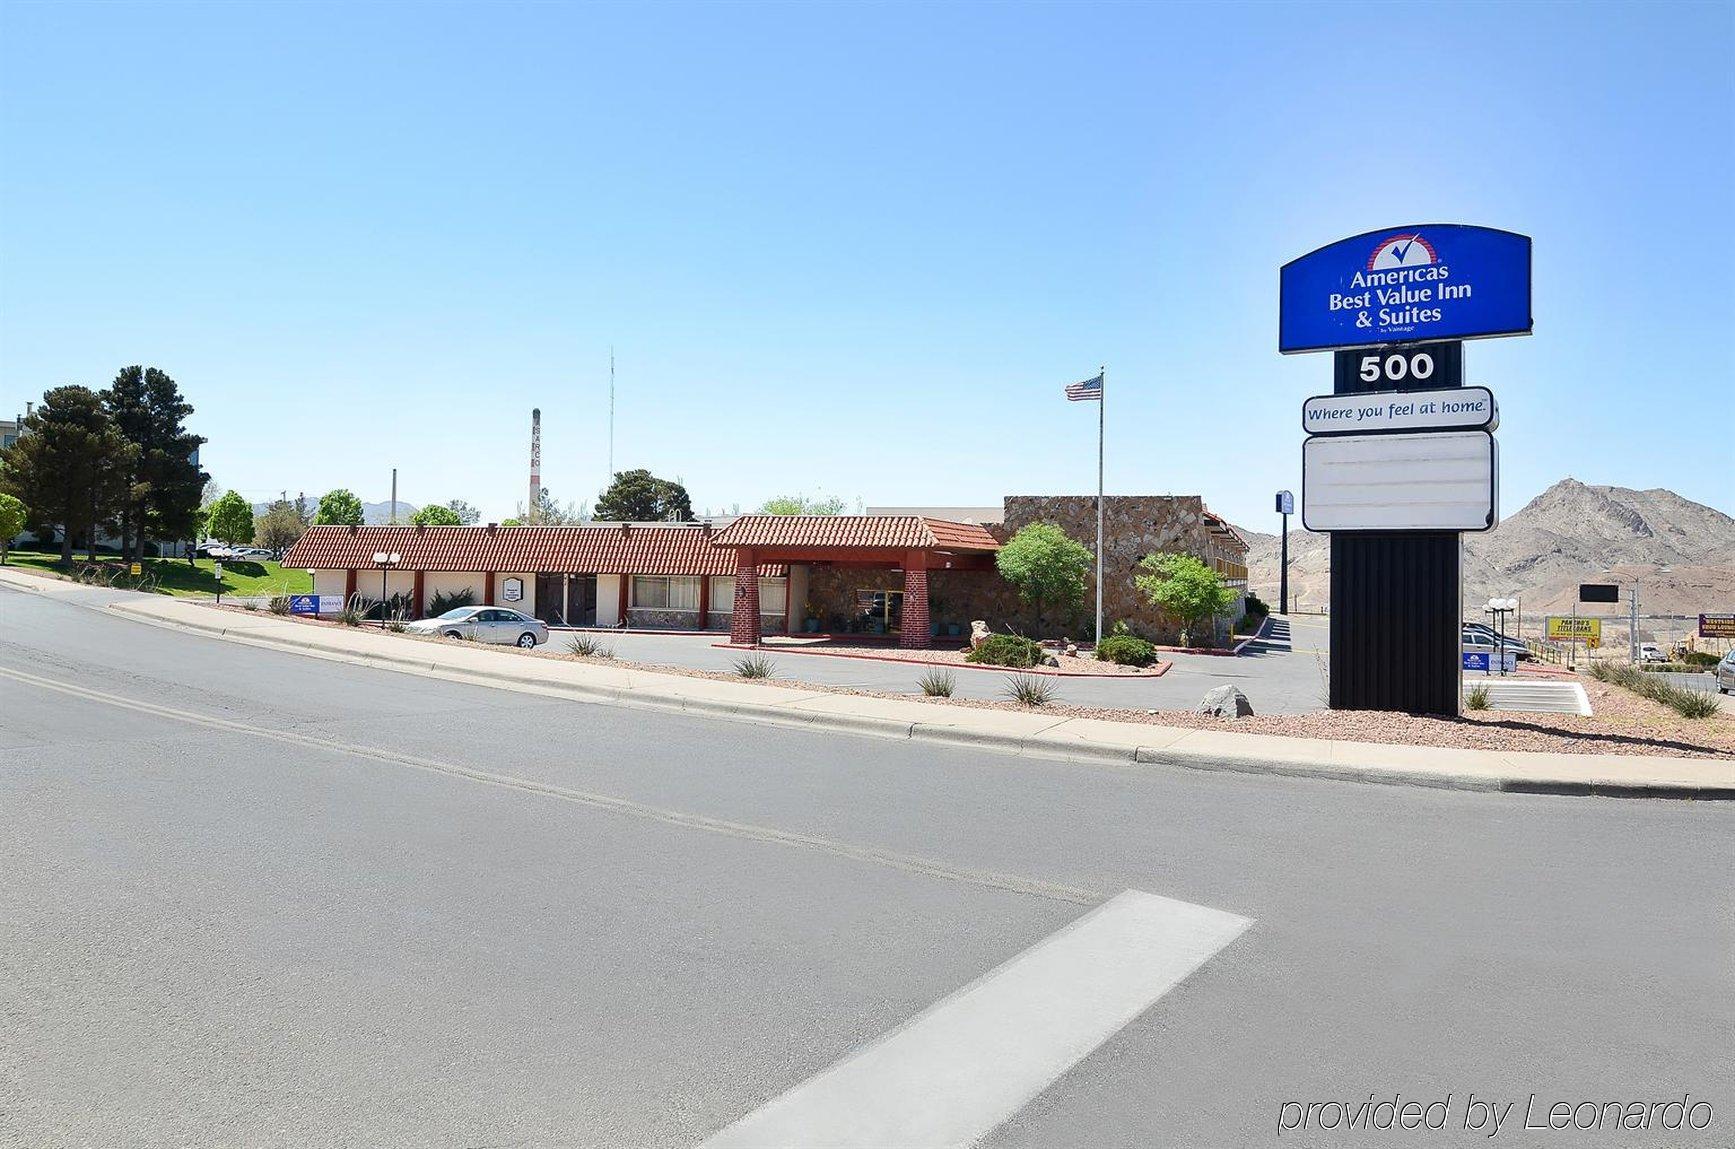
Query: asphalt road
point(253, 898)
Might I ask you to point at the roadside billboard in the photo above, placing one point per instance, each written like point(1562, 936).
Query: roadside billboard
point(1717, 626)
point(1567, 629)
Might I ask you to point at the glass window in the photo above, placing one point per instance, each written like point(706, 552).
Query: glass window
point(773, 595)
point(665, 592)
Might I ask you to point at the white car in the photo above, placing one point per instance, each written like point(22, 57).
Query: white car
point(1725, 673)
point(1648, 652)
point(485, 624)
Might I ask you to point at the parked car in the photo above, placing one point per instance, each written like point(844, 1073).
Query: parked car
point(1725, 673)
point(1487, 635)
point(1476, 641)
point(497, 624)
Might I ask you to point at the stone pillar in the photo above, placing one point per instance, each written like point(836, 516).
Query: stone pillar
point(916, 622)
point(744, 619)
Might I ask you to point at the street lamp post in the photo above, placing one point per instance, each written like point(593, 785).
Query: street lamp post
point(1500, 608)
point(385, 561)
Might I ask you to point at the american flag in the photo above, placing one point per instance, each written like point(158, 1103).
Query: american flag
point(1089, 391)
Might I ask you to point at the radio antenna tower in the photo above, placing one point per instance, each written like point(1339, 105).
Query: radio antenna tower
point(535, 465)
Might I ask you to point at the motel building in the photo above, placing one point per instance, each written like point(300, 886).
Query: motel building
point(907, 575)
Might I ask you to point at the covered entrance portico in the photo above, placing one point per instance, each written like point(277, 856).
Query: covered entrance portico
point(909, 543)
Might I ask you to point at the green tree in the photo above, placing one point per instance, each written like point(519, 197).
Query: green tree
point(339, 508)
point(802, 505)
point(12, 519)
point(70, 465)
point(1046, 567)
point(231, 520)
point(640, 497)
point(163, 481)
point(1184, 587)
point(468, 516)
point(278, 528)
point(434, 515)
point(550, 512)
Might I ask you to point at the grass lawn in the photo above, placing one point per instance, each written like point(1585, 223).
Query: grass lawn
point(176, 577)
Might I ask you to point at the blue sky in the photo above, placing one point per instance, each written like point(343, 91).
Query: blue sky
point(850, 250)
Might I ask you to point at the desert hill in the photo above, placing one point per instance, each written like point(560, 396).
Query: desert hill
point(1570, 533)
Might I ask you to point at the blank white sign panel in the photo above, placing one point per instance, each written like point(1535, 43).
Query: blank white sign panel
point(1435, 481)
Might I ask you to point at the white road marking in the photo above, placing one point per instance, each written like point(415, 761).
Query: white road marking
point(963, 1066)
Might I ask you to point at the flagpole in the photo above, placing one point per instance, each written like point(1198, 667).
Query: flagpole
point(1101, 424)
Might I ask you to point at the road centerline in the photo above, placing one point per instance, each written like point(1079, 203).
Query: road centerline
point(954, 1072)
point(909, 863)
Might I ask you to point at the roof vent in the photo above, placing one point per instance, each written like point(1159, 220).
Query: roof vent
point(492, 527)
point(625, 526)
point(421, 528)
point(352, 528)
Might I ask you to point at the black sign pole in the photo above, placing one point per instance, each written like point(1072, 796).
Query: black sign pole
point(1283, 591)
point(1396, 596)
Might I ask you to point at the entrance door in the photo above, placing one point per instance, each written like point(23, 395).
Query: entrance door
point(879, 611)
point(550, 590)
point(581, 600)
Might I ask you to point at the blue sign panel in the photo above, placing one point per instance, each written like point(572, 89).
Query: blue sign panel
point(303, 604)
point(1404, 284)
point(1475, 662)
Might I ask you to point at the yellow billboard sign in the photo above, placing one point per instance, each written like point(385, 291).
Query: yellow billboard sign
point(1566, 629)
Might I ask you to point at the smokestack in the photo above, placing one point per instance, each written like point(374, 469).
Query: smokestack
point(394, 496)
point(535, 465)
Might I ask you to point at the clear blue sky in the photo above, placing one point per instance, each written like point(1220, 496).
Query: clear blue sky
point(852, 250)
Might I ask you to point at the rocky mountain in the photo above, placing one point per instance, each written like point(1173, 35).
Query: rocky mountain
point(1570, 533)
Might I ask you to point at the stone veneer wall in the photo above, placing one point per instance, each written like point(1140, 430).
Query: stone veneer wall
point(1133, 526)
point(651, 618)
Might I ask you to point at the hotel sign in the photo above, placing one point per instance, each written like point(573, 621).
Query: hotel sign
point(1717, 626)
point(1367, 412)
point(1404, 285)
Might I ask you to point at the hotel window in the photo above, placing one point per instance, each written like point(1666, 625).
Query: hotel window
point(665, 592)
point(773, 595)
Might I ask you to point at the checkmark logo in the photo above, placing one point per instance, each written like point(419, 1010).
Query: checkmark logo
point(1403, 252)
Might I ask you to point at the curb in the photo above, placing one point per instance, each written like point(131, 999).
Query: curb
point(1162, 667)
point(1038, 743)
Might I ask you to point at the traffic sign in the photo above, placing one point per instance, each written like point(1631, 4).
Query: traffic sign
point(1404, 285)
point(136, 569)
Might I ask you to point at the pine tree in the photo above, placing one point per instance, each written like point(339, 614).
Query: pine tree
point(71, 466)
point(164, 482)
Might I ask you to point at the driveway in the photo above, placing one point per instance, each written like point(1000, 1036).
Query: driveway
point(1280, 674)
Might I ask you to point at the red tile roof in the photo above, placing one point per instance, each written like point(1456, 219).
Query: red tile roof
point(819, 532)
point(595, 548)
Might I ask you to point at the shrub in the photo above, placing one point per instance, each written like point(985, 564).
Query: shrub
point(1183, 586)
point(1695, 704)
point(588, 646)
point(1046, 568)
point(1007, 650)
point(352, 612)
point(1686, 703)
point(1126, 650)
point(1699, 658)
point(444, 602)
point(1476, 698)
point(1257, 605)
point(755, 666)
point(938, 683)
point(1029, 690)
point(279, 604)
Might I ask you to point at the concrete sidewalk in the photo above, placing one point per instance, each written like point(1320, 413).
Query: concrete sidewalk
point(1035, 734)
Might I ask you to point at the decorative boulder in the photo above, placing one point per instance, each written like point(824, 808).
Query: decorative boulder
point(1050, 660)
point(1225, 702)
point(978, 633)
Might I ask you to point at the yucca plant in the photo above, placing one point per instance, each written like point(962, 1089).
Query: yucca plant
point(1695, 704)
point(1029, 690)
point(588, 646)
point(1476, 698)
point(279, 604)
point(938, 683)
point(755, 666)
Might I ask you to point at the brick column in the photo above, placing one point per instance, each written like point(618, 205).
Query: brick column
point(915, 627)
point(744, 620)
